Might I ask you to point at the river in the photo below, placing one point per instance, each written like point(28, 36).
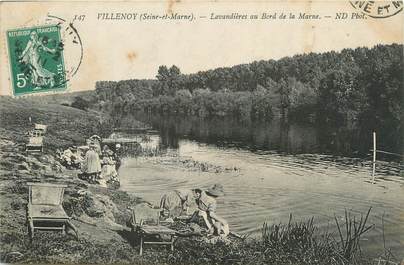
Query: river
point(278, 175)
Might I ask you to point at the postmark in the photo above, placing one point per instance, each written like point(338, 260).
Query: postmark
point(378, 9)
point(36, 59)
point(72, 43)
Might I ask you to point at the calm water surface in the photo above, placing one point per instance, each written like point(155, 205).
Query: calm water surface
point(271, 185)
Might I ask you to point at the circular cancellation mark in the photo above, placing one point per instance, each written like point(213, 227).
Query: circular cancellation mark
point(378, 9)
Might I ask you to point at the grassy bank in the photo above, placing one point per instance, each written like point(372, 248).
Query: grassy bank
point(100, 214)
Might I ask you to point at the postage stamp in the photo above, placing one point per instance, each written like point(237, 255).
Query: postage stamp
point(36, 59)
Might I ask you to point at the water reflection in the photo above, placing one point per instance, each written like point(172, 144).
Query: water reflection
point(277, 135)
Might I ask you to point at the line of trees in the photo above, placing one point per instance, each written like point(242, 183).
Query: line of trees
point(354, 87)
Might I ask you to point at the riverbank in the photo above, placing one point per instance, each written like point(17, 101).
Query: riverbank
point(98, 213)
point(101, 215)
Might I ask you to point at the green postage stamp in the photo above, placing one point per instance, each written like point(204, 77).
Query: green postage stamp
point(36, 59)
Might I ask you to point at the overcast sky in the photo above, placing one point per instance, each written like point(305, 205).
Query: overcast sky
point(133, 49)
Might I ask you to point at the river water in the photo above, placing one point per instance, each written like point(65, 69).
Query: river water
point(274, 182)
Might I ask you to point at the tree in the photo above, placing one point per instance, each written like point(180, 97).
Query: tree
point(174, 72)
point(340, 99)
point(163, 74)
point(262, 105)
point(200, 97)
point(183, 101)
point(169, 80)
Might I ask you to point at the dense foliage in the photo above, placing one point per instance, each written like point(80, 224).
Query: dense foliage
point(80, 103)
point(359, 88)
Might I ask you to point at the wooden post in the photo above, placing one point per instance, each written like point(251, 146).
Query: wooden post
point(141, 245)
point(374, 157)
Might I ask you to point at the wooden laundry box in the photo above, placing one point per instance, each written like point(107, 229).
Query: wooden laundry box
point(44, 210)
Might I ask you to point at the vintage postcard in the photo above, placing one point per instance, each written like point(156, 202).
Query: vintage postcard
point(202, 132)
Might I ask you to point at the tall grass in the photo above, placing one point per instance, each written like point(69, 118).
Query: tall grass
point(349, 246)
point(302, 242)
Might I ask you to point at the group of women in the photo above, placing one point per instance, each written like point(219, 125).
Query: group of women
point(101, 171)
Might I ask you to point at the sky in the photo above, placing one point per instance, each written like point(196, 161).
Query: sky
point(134, 49)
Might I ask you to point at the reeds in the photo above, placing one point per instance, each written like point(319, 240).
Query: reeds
point(349, 246)
point(299, 242)
point(302, 243)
